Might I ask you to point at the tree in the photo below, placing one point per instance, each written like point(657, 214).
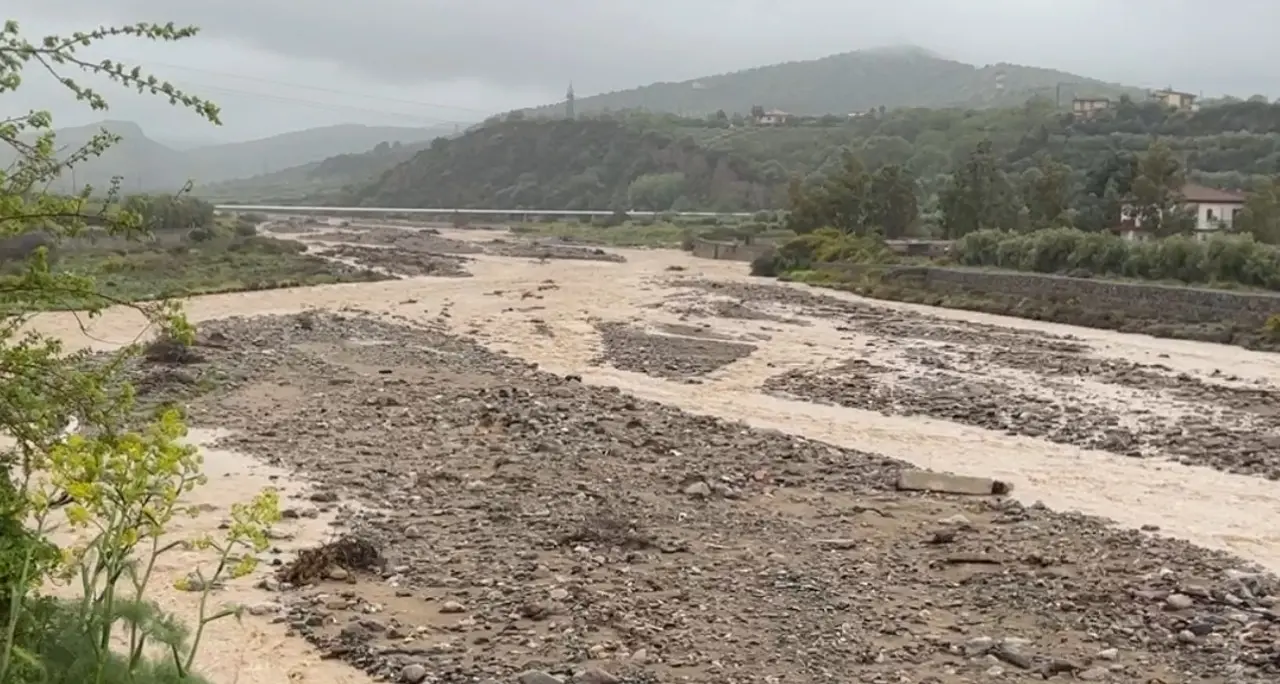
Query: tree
point(656, 191)
point(1260, 216)
point(121, 484)
point(853, 202)
point(978, 196)
point(846, 198)
point(1046, 191)
point(893, 205)
point(881, 150)
point(1155, 196)
point(1105, 185)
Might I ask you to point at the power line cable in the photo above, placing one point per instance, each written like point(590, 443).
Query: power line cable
point(331, 106)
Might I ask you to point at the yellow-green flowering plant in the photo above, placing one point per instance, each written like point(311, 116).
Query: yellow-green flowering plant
point(117, 487)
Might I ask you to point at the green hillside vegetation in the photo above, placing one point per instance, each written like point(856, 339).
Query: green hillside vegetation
point(145, 165)
point(317, 181)
point(588, 164)
point(852, 82)
point(665, 162)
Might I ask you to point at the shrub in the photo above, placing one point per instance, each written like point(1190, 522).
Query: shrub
point(766, 265)
point(118, 481)
point(1272, 327)
point(823, 246)
point(687, 240)
point(199, 235)
point(246, 228)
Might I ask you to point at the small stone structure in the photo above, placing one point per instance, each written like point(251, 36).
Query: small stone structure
point(730, 251)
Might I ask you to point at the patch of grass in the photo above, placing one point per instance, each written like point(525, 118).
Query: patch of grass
point(182, 266)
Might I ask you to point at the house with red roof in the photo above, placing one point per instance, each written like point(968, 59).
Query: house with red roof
point(1215, 210)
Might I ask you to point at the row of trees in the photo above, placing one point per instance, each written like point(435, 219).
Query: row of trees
point(980, 193)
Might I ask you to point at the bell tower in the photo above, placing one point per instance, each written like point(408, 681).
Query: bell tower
point(568, 103)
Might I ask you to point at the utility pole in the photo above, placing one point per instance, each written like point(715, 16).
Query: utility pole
point(569, 111)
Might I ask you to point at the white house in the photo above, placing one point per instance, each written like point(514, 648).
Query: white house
point(1215, 210)
point(1176, 99)
point(1088, 107)
point(773, 117)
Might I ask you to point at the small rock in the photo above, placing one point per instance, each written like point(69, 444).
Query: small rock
point(1092, 674)
point(978, 645)
point(1108, 654)
point(451, 607)
point(413, 674)
point(537, 677)
point(700, 490)
point(1179, 602)
point(337, 573)
point(595, 675)
point(265, 608)
point(353, 631)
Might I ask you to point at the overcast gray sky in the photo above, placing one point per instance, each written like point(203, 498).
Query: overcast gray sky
point(278, 65)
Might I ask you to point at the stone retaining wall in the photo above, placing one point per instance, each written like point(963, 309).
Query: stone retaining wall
point(1137, 300)
point(729, 251)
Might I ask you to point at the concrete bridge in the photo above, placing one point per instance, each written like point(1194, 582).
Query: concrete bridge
point(523, 214)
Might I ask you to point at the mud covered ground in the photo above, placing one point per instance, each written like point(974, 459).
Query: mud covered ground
point(1018, 382)
point(540, 530)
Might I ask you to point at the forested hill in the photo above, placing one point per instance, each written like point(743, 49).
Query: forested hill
point(586, 164)
point(852, 82)
point(666, 162)
point(317, 181)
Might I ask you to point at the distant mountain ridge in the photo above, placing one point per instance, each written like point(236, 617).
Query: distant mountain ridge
point(145, 165)
point(892, 77)
point(314, 181)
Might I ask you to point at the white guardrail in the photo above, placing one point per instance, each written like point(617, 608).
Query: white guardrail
point(286, 208)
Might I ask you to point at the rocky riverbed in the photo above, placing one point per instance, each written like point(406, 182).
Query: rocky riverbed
point(1017, 382)
point(1224, 439)
point(528, 527)
point(679, 353)
point(430, 241)
point(409, 263)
